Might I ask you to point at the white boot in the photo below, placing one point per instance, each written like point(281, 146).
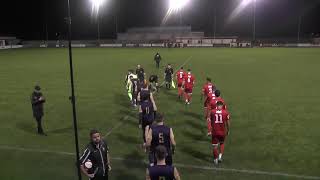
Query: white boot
point(220, 157)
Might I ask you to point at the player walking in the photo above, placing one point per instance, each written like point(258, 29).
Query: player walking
point(146, 117)
point(180, 78)
point(220, 122)
point(160, 134)
point(145, 93)
point(162, 171)
point(188, 85)
point(208, 88)
point(213, 99)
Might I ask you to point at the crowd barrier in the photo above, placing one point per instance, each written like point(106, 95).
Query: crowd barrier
point(158, 45)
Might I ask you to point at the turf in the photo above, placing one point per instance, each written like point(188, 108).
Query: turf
point(272, 95)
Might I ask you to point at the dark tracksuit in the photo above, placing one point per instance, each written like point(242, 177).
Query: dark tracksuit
point(168, 77)
point(140, 74)
point(37, 108)
point(97, 154)
point(157, 59)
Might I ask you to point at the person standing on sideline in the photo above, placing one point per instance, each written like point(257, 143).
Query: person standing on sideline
point(168, 73)
point(37, 101)
point(161, 170)
point(157, 59)
point(140, 73)
point(97, 156)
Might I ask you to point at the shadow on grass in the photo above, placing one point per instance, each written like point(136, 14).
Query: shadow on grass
point(170, 92)
point(193, 115)
point(62, 130)
point(192, 151)
point(195, 136)
point(29, 127)
point(128, 139)
point(122, 100)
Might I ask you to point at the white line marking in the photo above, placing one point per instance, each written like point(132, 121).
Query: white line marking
point(116, 126)
point(244, 171)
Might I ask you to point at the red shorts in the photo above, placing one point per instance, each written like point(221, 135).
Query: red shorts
point(180, 84)
point(188, 90)
point(217, 139)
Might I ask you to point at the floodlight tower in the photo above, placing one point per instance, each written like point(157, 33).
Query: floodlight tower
point(177, 6)
point(254, 21)
point(96, 4)
point(72, 97)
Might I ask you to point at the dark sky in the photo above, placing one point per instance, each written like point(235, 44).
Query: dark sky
point(274, 18)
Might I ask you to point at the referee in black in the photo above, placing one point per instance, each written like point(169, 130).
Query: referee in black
point(97, 152)
point(37, 101)
point(168, 73)
point(157, 59)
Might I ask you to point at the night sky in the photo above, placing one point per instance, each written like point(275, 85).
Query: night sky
point(274, 18)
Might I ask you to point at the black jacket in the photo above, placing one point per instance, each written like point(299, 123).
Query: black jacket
point(37, 104)
point(97, 154)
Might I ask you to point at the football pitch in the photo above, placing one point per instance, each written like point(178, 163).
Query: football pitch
point(272, 96)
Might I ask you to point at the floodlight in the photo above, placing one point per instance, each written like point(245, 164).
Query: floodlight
point(176, 5)
point(96, 5)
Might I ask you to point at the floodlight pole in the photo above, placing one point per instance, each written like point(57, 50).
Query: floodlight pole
point(254, 22)
point(98, 22)
point(214, 20)
point(72, 98)
point(180, 17)
point(299, 28)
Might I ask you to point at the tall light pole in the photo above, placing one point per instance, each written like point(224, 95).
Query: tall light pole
point(299, 27)
point(98, 27)
point(214, 19)
point(254, 22)
point(95, 11)
point(72, 97)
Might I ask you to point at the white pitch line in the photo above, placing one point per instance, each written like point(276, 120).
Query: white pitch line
point(243, 171)
point(116, 126)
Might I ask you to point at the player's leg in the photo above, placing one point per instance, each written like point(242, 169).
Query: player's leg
point(215, 144)
point(189, 96)
point(134, 99)
point(209, 127)
point(221, 149)
point(143, 128)
point(152, 159)
point(39, 125)
point(186, 95)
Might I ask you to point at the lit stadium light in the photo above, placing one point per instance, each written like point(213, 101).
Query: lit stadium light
point(96, 4)
point(174, 7)
point(242, 5)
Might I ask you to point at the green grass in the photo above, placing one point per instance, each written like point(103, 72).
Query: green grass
point(272, 94)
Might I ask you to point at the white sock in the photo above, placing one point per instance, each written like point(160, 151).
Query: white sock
point(220, 156)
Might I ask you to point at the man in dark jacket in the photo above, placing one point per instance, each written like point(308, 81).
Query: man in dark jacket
point(157, 59)
point(95, 160)
point(37, 101)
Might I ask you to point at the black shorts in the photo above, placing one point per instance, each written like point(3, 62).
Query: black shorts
point(101, 177)
point(168, 79)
